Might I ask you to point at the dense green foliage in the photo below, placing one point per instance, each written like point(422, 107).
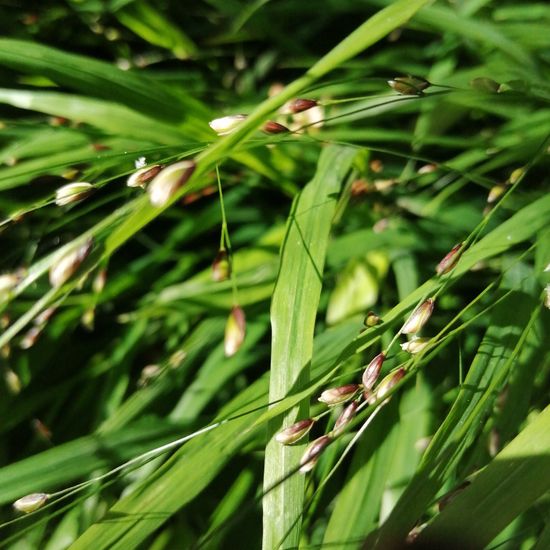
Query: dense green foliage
point(120, 395)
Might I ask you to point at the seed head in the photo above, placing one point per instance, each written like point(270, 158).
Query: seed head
point(272, 127)
point(418, 318)
point(31, 337)
point(73, 192)
point(496, 192)
point(372, 372)
point(450, 260)
point(8, 281)
point(345, 418)
point(389, 382)
point(221, 268)
point(169, 180)
point(299, 105)
point(416, 345)
point(294, 433)
point(227, 124)
point(335, 396)
point(516, 175)
point(313, 452)
point(31, 502)
point(66, 266)
point(409, 85)
point(99, 281)
point(143, 176)
point(235, 330)
point(372, 319)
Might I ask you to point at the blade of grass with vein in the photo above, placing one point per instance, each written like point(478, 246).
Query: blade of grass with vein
point(293, 312)
point(510, 484)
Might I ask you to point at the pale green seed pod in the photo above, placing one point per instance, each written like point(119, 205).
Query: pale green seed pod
point(418, 318)
point(335, 396)
point(63, 269)
point(227, 124)
point(73, 192)
point(313, 452)
point(168, 181)
point(143, 176)
point(416, 345)
point(294, 433)
point(30, 503)
point(235, 330)
point(409, 85)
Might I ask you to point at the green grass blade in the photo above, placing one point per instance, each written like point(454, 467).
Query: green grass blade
point(510, 484)
point(293, 312)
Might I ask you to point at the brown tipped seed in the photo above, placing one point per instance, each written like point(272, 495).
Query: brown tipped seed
point(272, 127)
point(227, 124)
point(66, 266)
point(409, 85)
point(389, 382)
point(416, 345)
point(484, 84)
point(496, 192)
point(372, 319)
point(335, 396)
point(45, 316)
point(418, 318)
point(235, 330)
point(294, 433)
point(169, 180)
point(221, 268)
point(73, 192)
point(31, 337)
point(298, 105)
point(31, 502)
point(376, 165)
point(427, 169)
point(450, 260)
point(313, 452)
point(143, 176)
point(347, 415)
point(372, 372)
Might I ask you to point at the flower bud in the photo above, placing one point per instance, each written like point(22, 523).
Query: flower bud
point(313, 452)
point(235, 329)
point(167, 182)
point(73, 192)
point(294, 433)
point(227, 124)
point(372, 372)
point(335, 396)
point(409, 85)
point(31, 502)
point(143, 176)
point(416, 345)
point(298, 105)
point(372, 319)
point(66, 266)
point(450, 260)
point(221, 268)
point(496, 192)
point(389, 382)
point(272, 127)
point(418, 318)
point(345, 418)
